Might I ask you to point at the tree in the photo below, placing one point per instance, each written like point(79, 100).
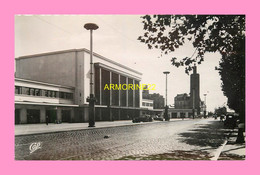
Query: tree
point(232, 73)
point(208, 33)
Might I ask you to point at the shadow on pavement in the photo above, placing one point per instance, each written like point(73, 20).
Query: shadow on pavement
point(211, 135)
point(174, 155)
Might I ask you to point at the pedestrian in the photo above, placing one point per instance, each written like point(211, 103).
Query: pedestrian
point(47, 120)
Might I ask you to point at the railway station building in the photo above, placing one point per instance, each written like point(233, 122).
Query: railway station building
point(57, 85)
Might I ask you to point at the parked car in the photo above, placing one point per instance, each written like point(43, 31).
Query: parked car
point(143, 118)
point(222, 117)
point(160, 118)
point(231, 121)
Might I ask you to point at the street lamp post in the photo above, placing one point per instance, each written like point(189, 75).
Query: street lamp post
point(193, 103)
point(91, 99)
point(205, 109)
point(166, 106)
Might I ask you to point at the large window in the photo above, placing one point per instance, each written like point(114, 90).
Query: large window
point(115, 93)
point(18, 90)
point(97, 85)
point(65, 95)
point(122, 92)
point(37, 92)
point(105, 93)
point(69, 95)
point(31, 91)
point(130, 93)
point(25, 91)
point(137, 94)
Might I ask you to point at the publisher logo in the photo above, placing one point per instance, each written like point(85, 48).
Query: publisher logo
point(34, 146)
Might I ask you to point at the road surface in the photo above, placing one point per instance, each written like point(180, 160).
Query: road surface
point(197, 139)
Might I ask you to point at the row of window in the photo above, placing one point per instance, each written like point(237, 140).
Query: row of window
point(147, 104)
point(42, 92)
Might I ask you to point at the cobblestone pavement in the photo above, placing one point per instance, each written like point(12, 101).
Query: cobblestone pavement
point(178, 140)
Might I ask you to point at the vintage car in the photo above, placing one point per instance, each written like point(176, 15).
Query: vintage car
point(143, 118)
point(160, 118)
point(231, 121)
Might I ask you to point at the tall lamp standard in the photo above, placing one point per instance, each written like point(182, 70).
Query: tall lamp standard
point(193, 103)
point(205, 109)
point(91, 99)
point(166, 107)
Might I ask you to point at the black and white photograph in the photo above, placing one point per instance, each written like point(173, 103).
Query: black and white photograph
point(130, 87)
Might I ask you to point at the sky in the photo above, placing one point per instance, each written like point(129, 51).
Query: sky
point(116, 39)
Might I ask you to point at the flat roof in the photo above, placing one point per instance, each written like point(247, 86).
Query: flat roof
point(79, 50)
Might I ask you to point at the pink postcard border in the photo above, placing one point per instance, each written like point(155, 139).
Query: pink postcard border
point(12, 7)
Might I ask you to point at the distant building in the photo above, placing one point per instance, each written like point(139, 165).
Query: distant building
point(145, 93)
point(158, 100)
point(147, 106)
point(182, 101)
point(187, 105)
point(154, 99)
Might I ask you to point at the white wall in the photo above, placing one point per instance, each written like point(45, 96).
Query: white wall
point(56, 68)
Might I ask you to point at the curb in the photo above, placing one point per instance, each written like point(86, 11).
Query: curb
point(87, 128)
point(219, 150)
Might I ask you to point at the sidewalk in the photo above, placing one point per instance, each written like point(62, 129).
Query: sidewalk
point(29, 129)
point(231, 150)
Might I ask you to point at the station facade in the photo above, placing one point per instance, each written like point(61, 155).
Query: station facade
point(57, 85)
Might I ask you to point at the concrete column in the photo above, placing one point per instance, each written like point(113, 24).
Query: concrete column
point(59, 117)
point(42, 115)
point(23, 115)
point(110, 114)
point(72, 115)
point(170, 114)
point(100, 85)
point(110, 92)
point(127, 92)
point(119, 92)
point(178, 114)
point(99, 113)
point(86, 114)
point(186, 114)
point(133, 94)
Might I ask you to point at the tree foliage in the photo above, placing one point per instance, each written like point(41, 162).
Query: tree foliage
point(208, 33)
point(232, 73)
